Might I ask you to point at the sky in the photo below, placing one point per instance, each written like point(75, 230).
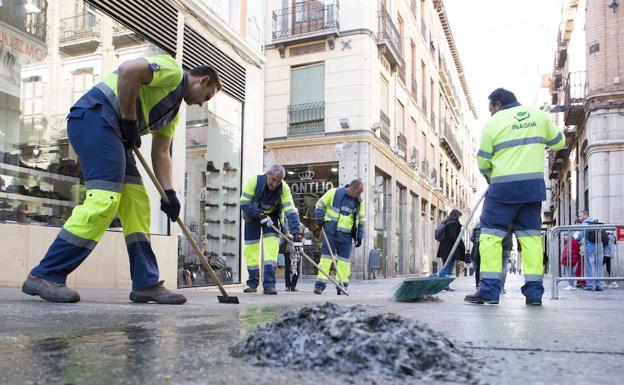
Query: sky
point(504, 43)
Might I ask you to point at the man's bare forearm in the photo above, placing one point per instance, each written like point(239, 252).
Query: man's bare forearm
point(162, 168)
point(130, 77)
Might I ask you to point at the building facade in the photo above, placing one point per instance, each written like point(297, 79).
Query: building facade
point(588, 96)
point(52, 52)
point(376, 91)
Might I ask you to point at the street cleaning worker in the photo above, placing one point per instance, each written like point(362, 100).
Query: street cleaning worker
point(142, 96)
point(511, 157)
point(263, 200)
point(340, 211)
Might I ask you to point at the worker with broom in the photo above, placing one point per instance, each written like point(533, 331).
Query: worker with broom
point(340, 214)
point(511, 157)
point(262, 202)
point(142, 96)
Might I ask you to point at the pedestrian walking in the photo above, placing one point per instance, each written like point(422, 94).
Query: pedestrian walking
point(142, 96)
point(609, 254)
point(446, 234)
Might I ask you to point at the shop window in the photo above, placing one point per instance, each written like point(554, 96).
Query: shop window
point(213, 190)
point(40, 177)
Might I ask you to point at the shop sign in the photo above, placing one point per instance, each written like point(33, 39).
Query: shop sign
point(306, 184)
point(16, 50)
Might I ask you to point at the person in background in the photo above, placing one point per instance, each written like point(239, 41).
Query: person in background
point(609, 252)
point(446, 233)
point(474, 256)
point(592, 258)
point(570, 258)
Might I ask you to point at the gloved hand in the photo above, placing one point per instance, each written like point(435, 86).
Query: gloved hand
point(298, 242)
point(358, 243)
point(264, 219)
point(172, 209)
point(320, 222)
point(130, 133)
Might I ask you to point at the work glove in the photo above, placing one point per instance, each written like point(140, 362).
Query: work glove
point(264, 219)
point(172, 209)
point(130, 133)
point(358, 243)
point(298, 243)
point(320, 222)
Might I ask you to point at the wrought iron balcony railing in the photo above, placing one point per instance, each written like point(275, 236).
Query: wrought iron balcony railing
point(384, 120)
point(79, 27)
point(307, 118)
point(305, 18)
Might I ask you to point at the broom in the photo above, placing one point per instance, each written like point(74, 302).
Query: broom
point(414, 288)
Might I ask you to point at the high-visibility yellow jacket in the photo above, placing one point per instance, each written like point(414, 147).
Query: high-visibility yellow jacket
point(340, 213)
point(257, 197)
point(158, 102)
point(511, 153)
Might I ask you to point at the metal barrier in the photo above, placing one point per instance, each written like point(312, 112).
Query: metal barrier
point(596, 270)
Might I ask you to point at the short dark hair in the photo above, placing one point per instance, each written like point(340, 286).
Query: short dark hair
point(503, 96)
point(200, 71)
point(355, 183)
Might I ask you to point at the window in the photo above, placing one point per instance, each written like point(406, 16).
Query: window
point(384, 95)
point(306, 113)
point(423, 78)
point(413, 59)
point(82, 81)
point(401, 31)
point(400, 118)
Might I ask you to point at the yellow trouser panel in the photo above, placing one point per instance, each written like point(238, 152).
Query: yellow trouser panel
point(325, 265)
point(532, 255)
point(134, 209)
point(344, 270)
point(491, 251)
point(251, 251)
point(91, 219)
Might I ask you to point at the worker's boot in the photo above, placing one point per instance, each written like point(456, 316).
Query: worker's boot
point(339, 291)
point(210, 167)
point(250, 290)
point(157, 293)
point(476, 298)
point(48, 290)
point(270, 290)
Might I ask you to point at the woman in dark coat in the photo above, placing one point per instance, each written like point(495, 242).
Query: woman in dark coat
point(446, 234)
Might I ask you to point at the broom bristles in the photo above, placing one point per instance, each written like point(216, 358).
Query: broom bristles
point(414, 288)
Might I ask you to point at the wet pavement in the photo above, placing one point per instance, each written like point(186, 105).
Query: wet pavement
point(104, 339)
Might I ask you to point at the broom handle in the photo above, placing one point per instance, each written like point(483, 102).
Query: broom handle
point(461, 232)
point(331, 251)
point(311, 261)
point(185, 230)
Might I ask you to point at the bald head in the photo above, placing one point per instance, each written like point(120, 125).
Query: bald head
point(275, 175)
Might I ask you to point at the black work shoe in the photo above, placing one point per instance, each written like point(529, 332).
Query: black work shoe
point(48, 290)
point(477, 299)
point(157, 293)
point(270, 290)
point(318, 291)
point(250, 290)
point(293, 289)
point(533, 302)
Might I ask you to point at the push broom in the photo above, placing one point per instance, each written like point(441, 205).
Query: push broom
point(414, 288)
point(225, 298)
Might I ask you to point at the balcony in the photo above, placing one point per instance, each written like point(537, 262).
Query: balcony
point(124, 36)
point(384, 121)
point(308, 118)
point(306, 22)
point(575, 92)
point(450, 144)
point(389, 40)
point(80, 34)
point(425, 168)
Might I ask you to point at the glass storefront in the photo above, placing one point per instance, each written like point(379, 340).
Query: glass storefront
point(40, 177)
point(213, 189)
point(308, 183)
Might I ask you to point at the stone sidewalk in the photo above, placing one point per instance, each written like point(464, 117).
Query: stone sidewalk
point(104, 339)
